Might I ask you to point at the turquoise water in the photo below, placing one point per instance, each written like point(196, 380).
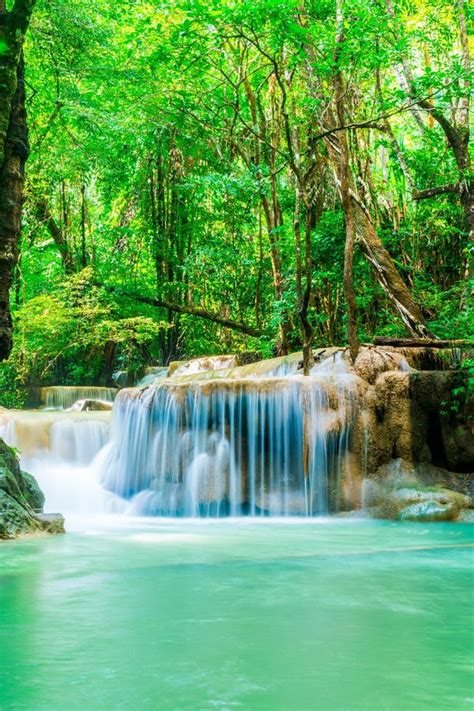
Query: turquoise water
point(237, 614)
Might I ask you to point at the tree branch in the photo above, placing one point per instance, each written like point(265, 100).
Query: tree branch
point(437, 190)
point(186, 309)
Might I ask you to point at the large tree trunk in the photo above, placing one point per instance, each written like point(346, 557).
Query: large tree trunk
point(11, 199)
point(344, 188)
point(385, 270)
point(387, 274)
point(13, 151)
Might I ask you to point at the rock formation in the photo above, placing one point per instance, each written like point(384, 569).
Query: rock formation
point(21, 501)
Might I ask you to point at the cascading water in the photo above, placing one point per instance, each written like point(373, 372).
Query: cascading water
point(60, 397)
point(257, 440)
point(152, 374)
point(59, 449)
point(260, 446)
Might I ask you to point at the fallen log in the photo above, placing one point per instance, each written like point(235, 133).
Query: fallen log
point(422, 342)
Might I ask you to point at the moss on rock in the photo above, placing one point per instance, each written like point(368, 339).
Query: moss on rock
point(21, 500)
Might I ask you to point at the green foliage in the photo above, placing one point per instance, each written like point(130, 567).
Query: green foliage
point(462, 392)
point(159, 145)
point(75, 335)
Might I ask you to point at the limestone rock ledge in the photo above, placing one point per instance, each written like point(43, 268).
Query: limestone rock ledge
point(22, 501)
point(404, 492)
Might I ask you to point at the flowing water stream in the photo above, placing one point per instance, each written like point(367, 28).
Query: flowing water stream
point(261, 615)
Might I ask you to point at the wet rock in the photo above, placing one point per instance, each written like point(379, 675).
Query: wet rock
point(21, 500)
point(426, 511)
point(91, 406)
point(15, 518)
point(247, 357)
point(31, 491)
point(458, 443)
point(51, 522)
point(443, 496)
point(466, 516)
point(405, 492)
point(371, 362)
point(433, 393)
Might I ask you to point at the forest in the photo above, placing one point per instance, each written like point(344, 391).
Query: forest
point(182, 178)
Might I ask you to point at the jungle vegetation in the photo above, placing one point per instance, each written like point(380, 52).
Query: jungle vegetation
point(181, 178)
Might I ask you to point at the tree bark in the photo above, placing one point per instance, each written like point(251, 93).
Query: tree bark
point(387, 274)
point(344, 187)
point(83, 227)
point(15, 153)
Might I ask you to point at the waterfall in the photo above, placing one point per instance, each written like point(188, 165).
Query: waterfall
point(60, 449)
point(60, 397)
point(258, 440)
point(257, 446)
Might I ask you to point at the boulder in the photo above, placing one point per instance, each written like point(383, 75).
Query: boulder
point(372, 362)
point(466, 516)
point(425, 511)
point(51, 522)
point(21, 500)
point(15, 518)
point(91, 406)
point(31, 491)
point(405, 492)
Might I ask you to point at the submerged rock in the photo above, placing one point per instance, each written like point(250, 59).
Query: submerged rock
point(426, 511)
point(21, 500)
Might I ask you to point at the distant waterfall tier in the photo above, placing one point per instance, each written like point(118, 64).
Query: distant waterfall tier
point(227, 447)
point(59, 397)
point(59, 449)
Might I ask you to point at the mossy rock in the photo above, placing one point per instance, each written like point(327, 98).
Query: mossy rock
point(428, 503)
point(31, 491)
point(21, 500)
point(407, 493)
point(15, 519)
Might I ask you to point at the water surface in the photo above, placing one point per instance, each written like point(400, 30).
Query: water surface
point(238, 614)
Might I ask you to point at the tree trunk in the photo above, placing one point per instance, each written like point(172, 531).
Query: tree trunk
point(344, 188)
point(83, 227)
point(308, 359)
point(15, 153)
point(348, 210)
point(46, 217)
point(387, 274)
